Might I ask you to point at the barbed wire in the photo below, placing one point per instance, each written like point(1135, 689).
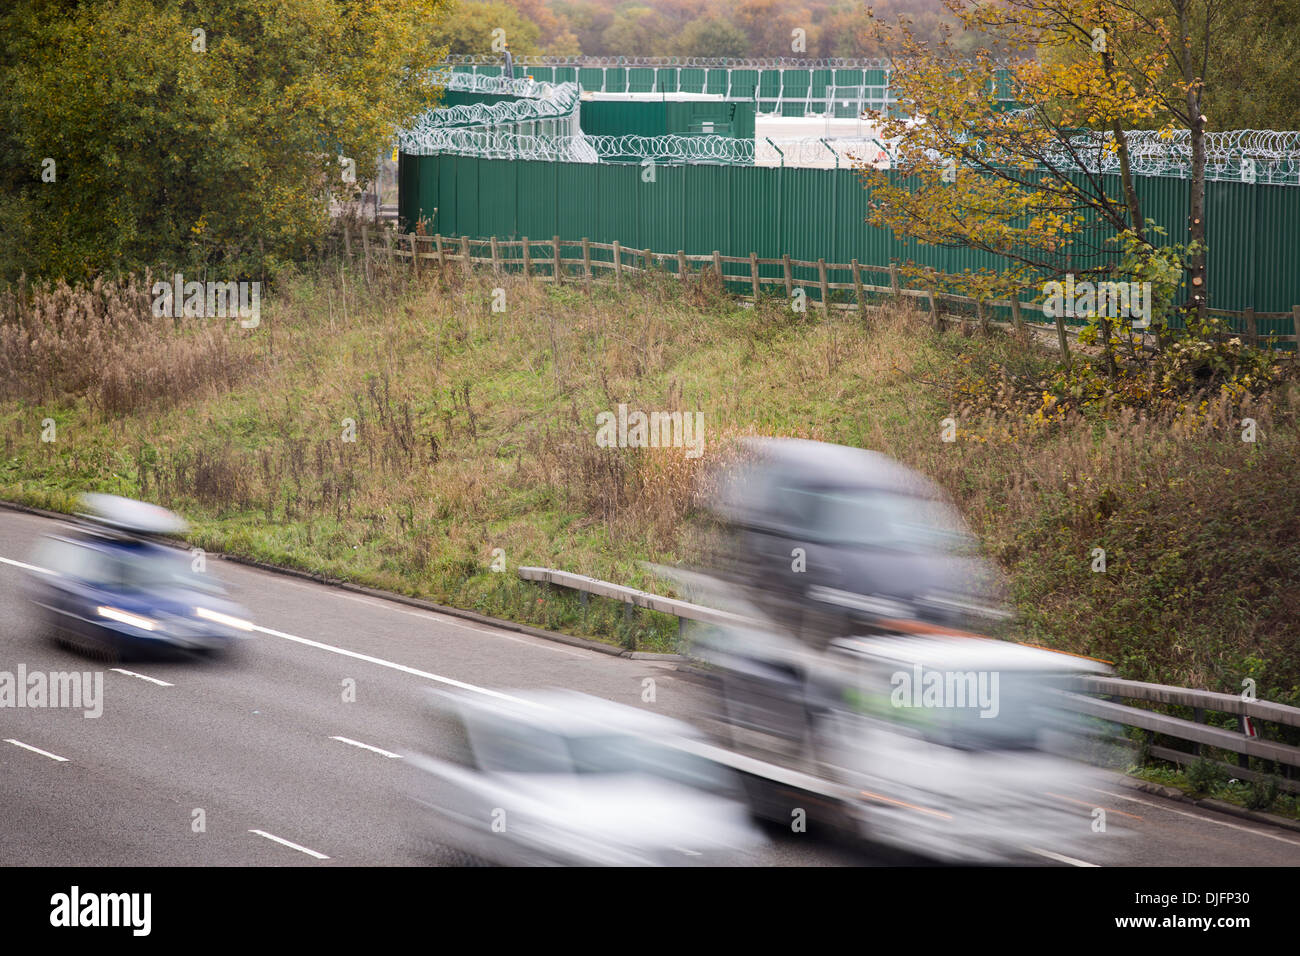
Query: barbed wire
point(545, 102)
point(493, 131)
point(707, 62)
point(664, 150)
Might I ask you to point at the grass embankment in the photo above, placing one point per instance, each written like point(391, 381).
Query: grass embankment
point(475, 430)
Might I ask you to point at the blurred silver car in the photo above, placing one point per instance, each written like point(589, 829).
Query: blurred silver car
point(561, 778)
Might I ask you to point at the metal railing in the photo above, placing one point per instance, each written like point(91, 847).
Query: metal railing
point(1080, 699)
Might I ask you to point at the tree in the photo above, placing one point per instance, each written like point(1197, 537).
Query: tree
point(711, 37)
point(637, 31)
point(1027, 184)
point(203, 135)
point(467, 28)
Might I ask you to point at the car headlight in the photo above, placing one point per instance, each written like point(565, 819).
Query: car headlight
point(228, 620)
point(126, 617)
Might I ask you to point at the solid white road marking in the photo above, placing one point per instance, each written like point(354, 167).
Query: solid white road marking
point(36, 750)
point(1197, 816)
point(292, 846)
point(152, 680)
point(443, 618)
point(27, 567)
point(1060, 857)
point(357, 743)
point(390, 664)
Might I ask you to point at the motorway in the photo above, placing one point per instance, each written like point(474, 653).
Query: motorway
point(255, 744)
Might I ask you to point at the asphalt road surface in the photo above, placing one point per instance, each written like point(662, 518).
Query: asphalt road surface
point(254, 744)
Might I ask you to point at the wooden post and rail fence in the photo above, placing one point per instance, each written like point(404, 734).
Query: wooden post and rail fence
point(579, 260)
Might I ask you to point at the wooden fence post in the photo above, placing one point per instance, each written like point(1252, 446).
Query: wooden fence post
point(415, 259)
point(464, 253)
point(681, 264)
point(981, 314)
point(528, 261)
point(934, 310)
point(442, 256)
point(1295, 326)
point(618, 265)
point(347, 241)
point(1252, 328)
point(826, 289)
point(558, 269)
point(717, 264)
point(857, 287)
point(388, 241)
point(753, 274)
point(788, 273)
point(586, 258)
point(496, 256)
point(1017, 322)
point(893, 276)
point(1062, 339)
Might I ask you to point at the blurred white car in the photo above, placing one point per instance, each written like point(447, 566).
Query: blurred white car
point(561, 778)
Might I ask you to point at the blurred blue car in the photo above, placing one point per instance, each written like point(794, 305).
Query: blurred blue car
point(108, 587)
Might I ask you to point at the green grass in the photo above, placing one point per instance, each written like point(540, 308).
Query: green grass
point(475, 431)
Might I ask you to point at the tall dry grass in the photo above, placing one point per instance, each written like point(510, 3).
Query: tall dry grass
point(102, 343)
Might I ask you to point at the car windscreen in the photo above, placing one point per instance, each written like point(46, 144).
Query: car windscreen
point(624, 753)
point(150, 569)
point(873, 518)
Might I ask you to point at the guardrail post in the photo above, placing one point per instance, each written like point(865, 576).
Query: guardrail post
point(753, 274)
point(528, 261)
point(558, 268)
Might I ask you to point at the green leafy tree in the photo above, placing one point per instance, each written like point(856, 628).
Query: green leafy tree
point(710, 36)
point(467, 28)
point(197, 135)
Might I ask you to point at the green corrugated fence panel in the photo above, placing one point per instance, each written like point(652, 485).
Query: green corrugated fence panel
point(694, 80)
point(640, 79)
point(1254, 230)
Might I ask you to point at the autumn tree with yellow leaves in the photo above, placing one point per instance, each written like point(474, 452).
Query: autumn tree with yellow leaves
point(1025, 183)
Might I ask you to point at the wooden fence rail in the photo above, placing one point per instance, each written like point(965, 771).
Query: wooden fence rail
point(562, 260)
